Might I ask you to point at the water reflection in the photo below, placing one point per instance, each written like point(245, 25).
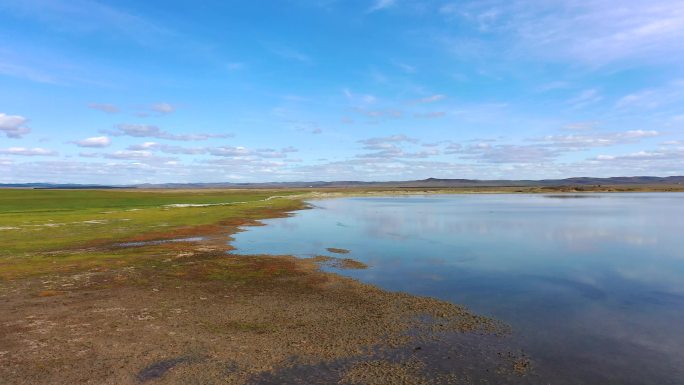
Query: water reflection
point(594, 288)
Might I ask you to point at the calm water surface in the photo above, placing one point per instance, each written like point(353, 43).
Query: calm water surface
point(593, 286)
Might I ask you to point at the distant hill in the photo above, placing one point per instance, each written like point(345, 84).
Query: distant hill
point(60, 186)
point(425, 183)
point(442, 183)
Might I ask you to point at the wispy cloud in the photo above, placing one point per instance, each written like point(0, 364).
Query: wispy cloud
point(163, 108)
point(146, 149)
point(379, 5)
point(395, 147)
point(429, 99)
point(104, 107)
point(406, 68)
point(595, 33)
point(381, 142)
point(581, 126)
point(664, 159)
point(24, 151)
point(150, 131)
point(291, 54)
point(380, 114)
point(590, 140)
point(359, 99)
point(28, 72)
point(507, 153)
point(235, 66)
point(430, 115)
point(585, 98)
point(169, 149)
point(307, 126)
point(88, 17)
point(653, 98)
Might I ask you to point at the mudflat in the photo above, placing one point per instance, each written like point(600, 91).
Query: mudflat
point(116, 287)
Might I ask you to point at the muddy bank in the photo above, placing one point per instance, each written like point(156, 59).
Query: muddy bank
point(188, 312)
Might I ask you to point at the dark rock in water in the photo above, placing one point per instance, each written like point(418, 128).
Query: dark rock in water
point(160, 368)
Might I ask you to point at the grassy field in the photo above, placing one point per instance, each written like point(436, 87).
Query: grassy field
point(48, 229)
point(38, 221)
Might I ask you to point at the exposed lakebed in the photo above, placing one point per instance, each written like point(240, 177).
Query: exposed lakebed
point(593, 288)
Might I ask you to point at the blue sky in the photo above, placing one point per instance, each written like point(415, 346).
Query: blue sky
point(244, 91)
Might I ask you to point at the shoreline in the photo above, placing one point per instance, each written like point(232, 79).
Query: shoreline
point(182, 311)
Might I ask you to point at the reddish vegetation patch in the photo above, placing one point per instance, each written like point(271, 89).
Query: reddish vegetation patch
point(49, 293)
point(183, 232)
point(339, 263)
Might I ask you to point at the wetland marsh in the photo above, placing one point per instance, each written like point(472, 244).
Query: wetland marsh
point(131, 287)
point(276, 287)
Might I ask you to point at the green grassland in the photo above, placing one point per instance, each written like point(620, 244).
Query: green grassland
point(44, 231)
point(41, 230)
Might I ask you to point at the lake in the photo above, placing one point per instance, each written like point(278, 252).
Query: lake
point(592, 285)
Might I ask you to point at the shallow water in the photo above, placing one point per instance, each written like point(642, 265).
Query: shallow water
point(593, 287)
point(159, 242)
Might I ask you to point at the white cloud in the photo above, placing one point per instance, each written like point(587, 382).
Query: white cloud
point(395, 147)
point(95, 142)
point(585, 141)
point(151, 131)
point(104, 107)
point(581, 126)
point(13, 126)
point(643, 156)
point(504, 153)
point(137, 155)
point(634, 134)
point(147, 157)
point(143, 146)
point(147, 149)
point(379, 142)
point(605, 157)
point(163, 108)
point(248, 154)
point(176, 149)
point(230, 151)
point(24, 151)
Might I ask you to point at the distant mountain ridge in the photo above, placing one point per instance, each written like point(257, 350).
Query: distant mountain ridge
point(424, 183)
